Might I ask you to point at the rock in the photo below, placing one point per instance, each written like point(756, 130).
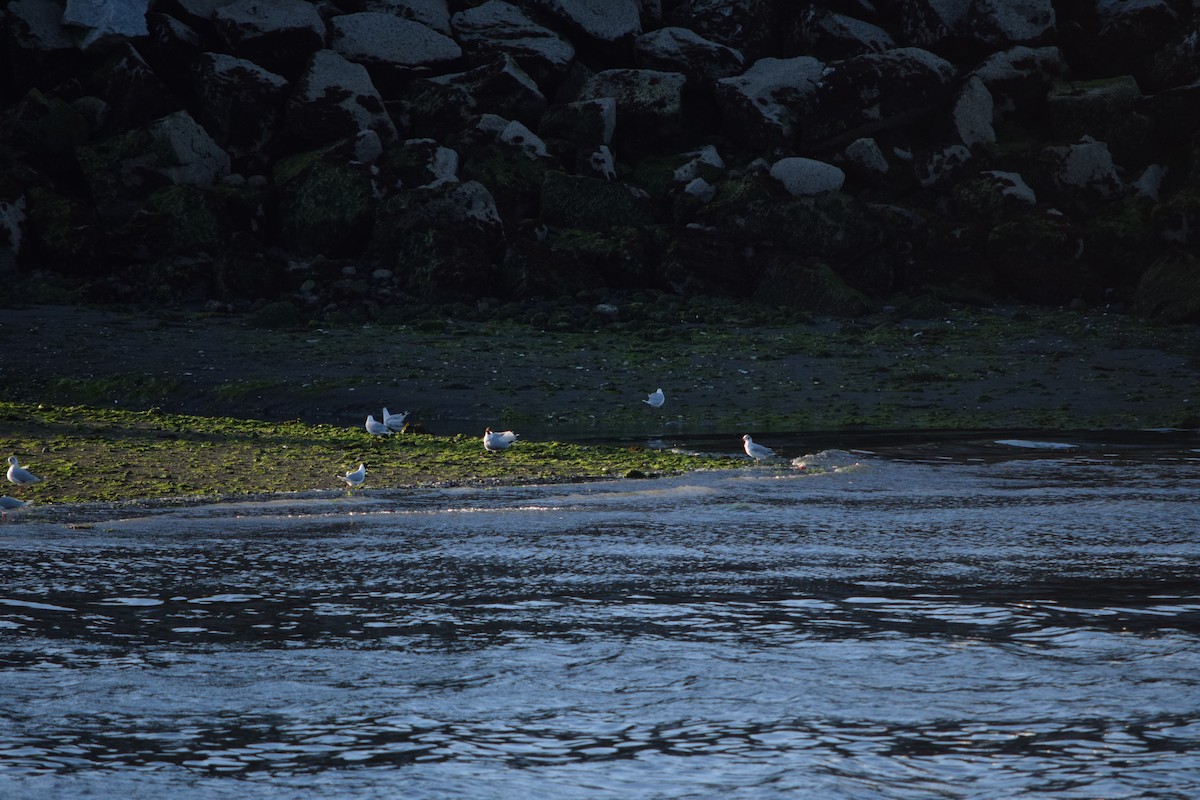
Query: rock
point(573, 201)
point(866, 158)
point(602, 21)
point(807, 176)
point(513, 133)
point(1036, 257)
point(573, 131)
point(280, 35)
point(830, 36)
point(240, 103)
point(105, 21)
point(499, 27)
point(13, 223)
point(703, 163)
point(875, 92)
point(764, 105)
point(1004, 23)
point(1177, 62)
point(41, 50)
point(391, 47)
point(173, 46)
point(418, 163)
point(940, 165)
point(650, 111)
point(64, 234)
point(1019, 78)
point(173, 150)
point(749, 26)
point(433, 13)
point(1106, 110)
point(335, 99)
point(701, 189)
point(992, 197)
point(1169, 291)
point(47, 126)
point(602, 163)
point(443, 243)
point(1087, 166)
point(326, 205)
point(972, 114)
point(684, 51)
point(134, 93)
point(1131, 34)
point(446, 103)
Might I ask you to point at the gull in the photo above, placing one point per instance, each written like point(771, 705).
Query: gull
point(493, 441)
point(375, 427)
point(19, 475)
point(8, 504)
point(394, 422)
point(756, 451)
point(655, 400)
point(355, 477)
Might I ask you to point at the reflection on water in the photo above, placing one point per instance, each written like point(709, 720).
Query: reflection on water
point(992, 621)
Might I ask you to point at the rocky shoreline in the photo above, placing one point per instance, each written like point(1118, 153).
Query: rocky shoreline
point(337, 159)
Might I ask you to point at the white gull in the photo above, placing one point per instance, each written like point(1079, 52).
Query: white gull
point(493, 441)
point(375, 427)
point(656, 399)
point(756, 451)
point(355, 477)
point(394, 422)
point(19, 475)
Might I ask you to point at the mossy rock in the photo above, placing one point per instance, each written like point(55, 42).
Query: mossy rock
point(514, 179)
point(281, 314)
point(1170, 289)
point(46, 126)
point(573, 201)
point(1120, 242)
point(64, 233)
point(325, 206)
point(810, 285)
point(1036, 257)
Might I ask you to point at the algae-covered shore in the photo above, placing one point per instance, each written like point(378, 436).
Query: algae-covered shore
point(127, 404)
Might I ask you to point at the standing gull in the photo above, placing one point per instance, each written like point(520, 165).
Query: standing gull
point(375, 427)
point(355, 477)
point(756, 451)
point(394, 422)
point(656, 399)
point(8, 504)
point(493, 441)
point(19, 475)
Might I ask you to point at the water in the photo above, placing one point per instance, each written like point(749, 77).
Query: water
point(927, 620)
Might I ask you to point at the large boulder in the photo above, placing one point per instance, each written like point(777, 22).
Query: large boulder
point(600, 21)
point(807, 176)
point(1107, 110)
point(123, 170)
point(749, 26)
point(326, 203)
point(681, 50)
point(1019, 78)
point(41, 50)
point(442, 106)
point(433, 13)
point(573, 201)
point(498, 27)
point(1169, 290)
point(134, 93)
point(442, 243)
point(102, 22)
point(875, 92)
point(390, 47)
point(280, 35)
point(763, 107)
point(335, 99)
point(240, 103)
point(650, 106)
point(830, 36)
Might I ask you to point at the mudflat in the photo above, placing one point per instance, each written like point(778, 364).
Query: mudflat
point(1003, 368)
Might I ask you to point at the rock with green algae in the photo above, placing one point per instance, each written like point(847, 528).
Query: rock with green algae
point(574, 201)
point(326, 203)
point(1169, 291)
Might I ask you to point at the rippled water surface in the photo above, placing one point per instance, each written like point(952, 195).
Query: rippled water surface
point(992, 620)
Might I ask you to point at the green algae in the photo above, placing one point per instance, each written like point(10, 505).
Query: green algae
point(88, 454)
